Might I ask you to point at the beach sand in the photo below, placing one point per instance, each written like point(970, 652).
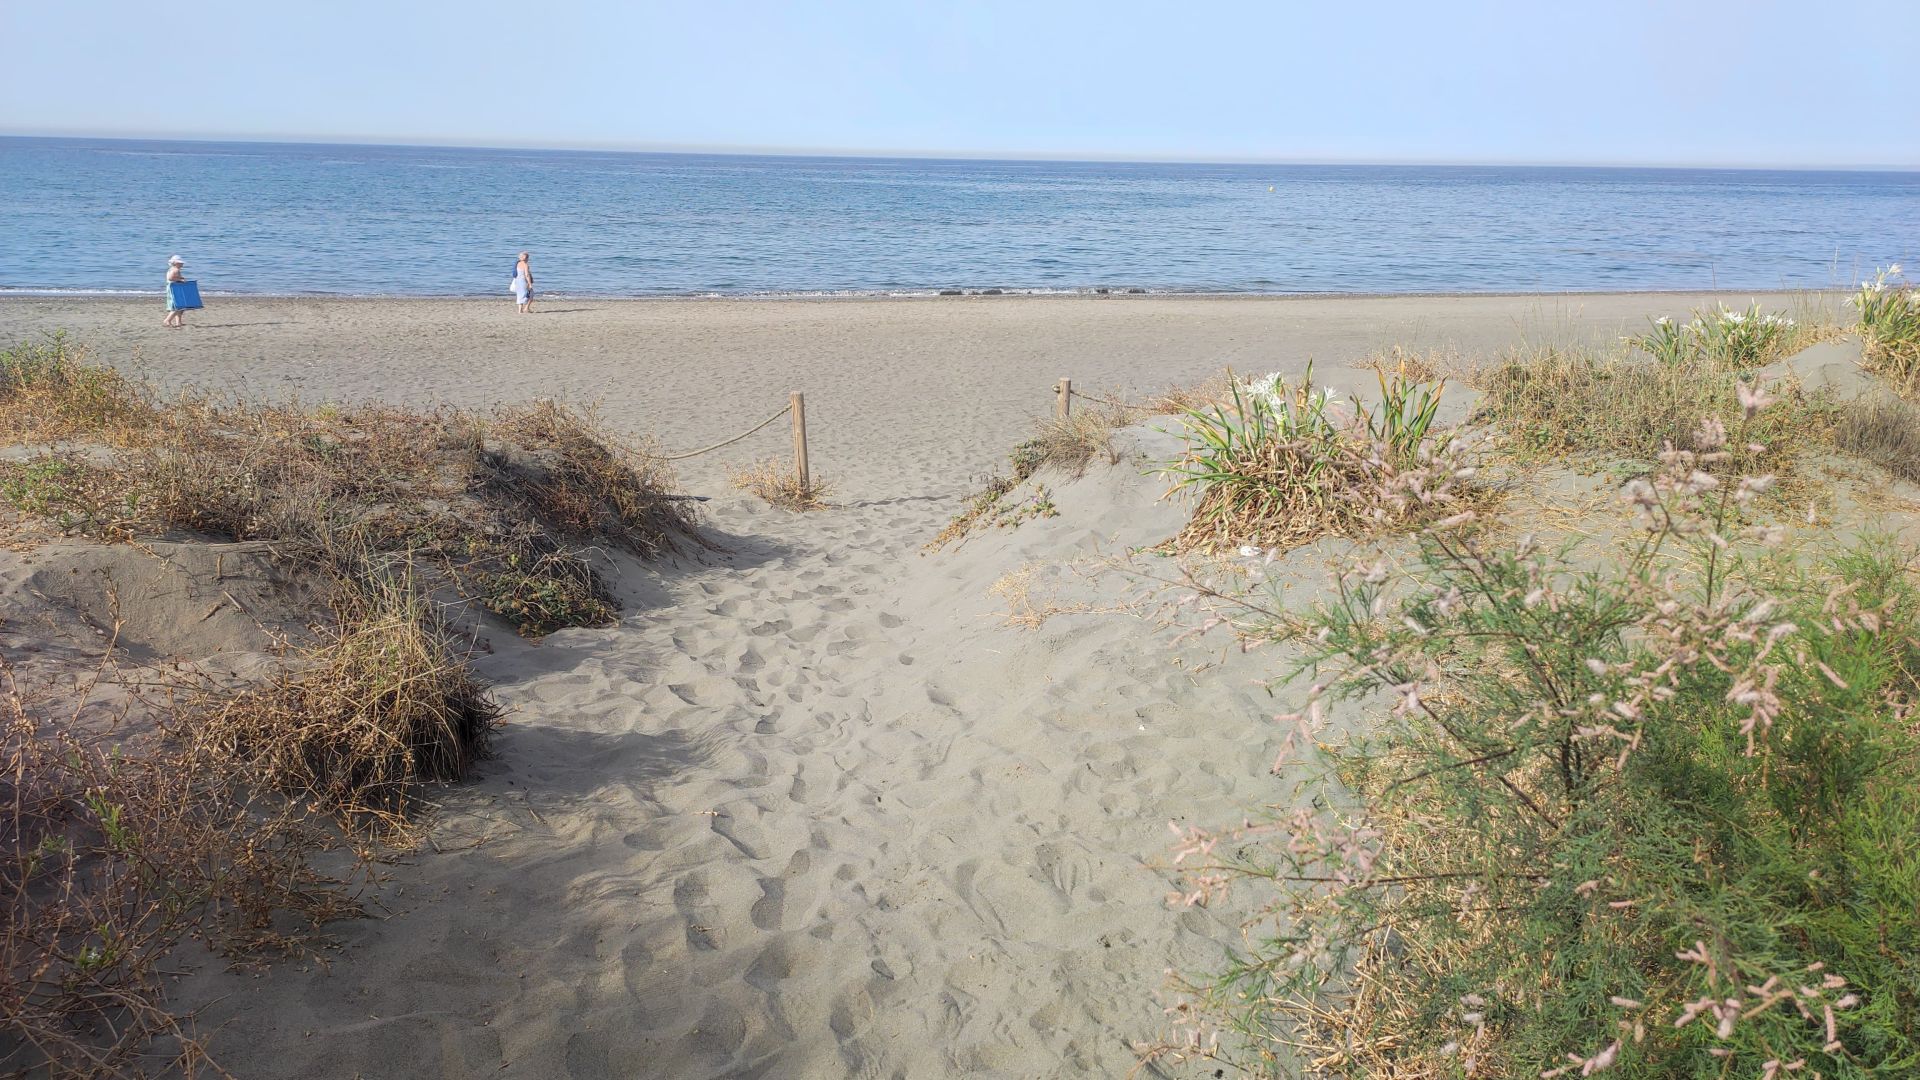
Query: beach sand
point(813, 808)
point(908, 396)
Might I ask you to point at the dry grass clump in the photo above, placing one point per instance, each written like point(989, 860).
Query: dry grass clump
point(1178, 400)
point(775, 483)
point(498, 506)
point(1886, 431)
point(49, 392)
point(352, 729)
point(108, 861)
point(1552, 400)
point(1428, 366)
point(587, 481)
point(1067, 444)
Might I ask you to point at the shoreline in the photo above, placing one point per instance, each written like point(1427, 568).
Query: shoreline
point(988, 293)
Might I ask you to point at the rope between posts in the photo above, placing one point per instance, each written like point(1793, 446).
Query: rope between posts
point(784, 410)
point(1106, 401)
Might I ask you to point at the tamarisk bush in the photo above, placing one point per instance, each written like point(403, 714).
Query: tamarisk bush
point(1650, 816)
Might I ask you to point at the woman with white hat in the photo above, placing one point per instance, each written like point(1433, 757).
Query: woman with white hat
point(176, 316)
point(523, 283)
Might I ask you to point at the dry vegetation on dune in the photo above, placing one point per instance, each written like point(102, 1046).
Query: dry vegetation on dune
point(1884, 430)
point(383, 704)
point(1552, 401)
point(113, 851)
point(775, 483)
point(499, 508)
point(194, 810)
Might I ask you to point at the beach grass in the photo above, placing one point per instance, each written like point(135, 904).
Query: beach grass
point(1885, 430)
point(1552, 400)
point(501, 507)
point(777, 484)
point(383, 704)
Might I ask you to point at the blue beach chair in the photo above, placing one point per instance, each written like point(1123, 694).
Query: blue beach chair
point(183, 295)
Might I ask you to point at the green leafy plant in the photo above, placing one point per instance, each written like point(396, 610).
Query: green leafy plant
point(1890, 326)
point(541, 594)
point(1722, 337)
point(1278, 464)
point(1403, 422)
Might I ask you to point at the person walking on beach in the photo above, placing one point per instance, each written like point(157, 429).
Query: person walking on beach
point(523, 283)
point(182, 296)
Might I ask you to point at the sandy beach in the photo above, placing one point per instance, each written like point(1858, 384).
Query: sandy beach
point(904, 397)
point(813, 808)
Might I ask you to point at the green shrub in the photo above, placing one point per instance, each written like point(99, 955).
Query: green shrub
point(1276, 465)
point(1890, 327)
point(546, 593)
point(1658, 817)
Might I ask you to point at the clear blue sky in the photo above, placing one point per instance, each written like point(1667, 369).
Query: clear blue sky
point(1685, 81)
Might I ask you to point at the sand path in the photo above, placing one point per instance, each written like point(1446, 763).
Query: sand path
point(810, 811)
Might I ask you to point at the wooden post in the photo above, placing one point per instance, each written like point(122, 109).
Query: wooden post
point(800, 441)
point(1064, 394)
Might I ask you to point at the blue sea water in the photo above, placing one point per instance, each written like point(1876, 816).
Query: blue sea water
point(103, 215)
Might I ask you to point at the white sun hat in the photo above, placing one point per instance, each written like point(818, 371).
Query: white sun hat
point(176, 260)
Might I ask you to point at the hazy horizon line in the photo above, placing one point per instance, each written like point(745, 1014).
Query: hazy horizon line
point(1065, 157)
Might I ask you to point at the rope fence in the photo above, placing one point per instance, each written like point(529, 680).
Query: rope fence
point(784, 410)
point(1064, 393)
point(796, 407)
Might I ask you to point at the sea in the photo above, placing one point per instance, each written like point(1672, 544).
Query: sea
point(103, 216)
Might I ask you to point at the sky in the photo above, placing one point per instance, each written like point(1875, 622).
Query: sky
point(1698, 82)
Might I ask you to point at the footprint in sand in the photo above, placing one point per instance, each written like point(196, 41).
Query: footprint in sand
point(1069, 871)
point(774, 910)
